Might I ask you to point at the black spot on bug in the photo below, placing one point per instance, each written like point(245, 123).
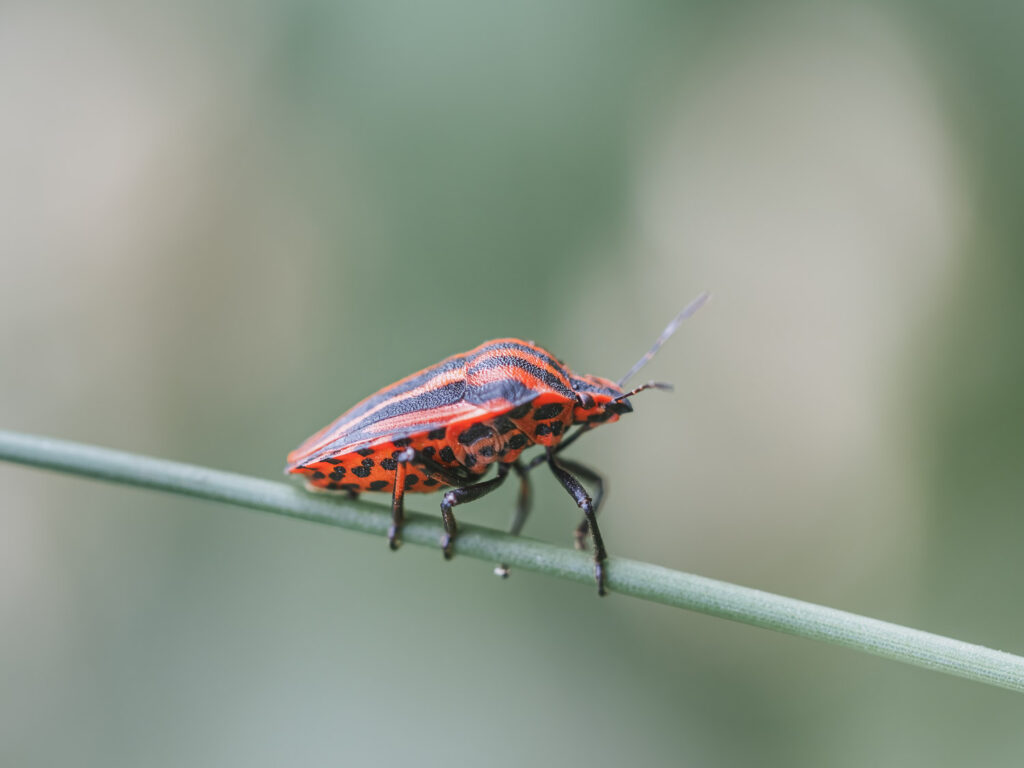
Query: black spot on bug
point(388, 464)
point(402, 442)
point(504, 425)
point(429, 451)
point(542, 429)
point(556, 427)
point(332, 486)
point(470, 460)
point(411, 480)
point(598, 418)
point(361, 471)
point(367, 463)
point(365, 451)
point(447, 454)
point(549, 411)
point(437, 434)
point(487, 451)
point(431, 482)
point(318, 475)
point(350, 487)
point(517, 441)
point(378, 485)
point(333, 461)
point(397, 452)
point(518, 413)
point(337, 473)
point(474, 433)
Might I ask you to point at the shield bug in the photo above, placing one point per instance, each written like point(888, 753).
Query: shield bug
point(442, 428)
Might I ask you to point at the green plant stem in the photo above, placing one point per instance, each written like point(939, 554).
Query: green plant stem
point(643, 580)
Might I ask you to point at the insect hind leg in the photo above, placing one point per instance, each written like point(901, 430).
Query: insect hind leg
point(403, 459)
point(398, 505)
point(460, 494)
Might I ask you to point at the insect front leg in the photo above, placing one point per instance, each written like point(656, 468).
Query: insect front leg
point(597, 483)
point(587, 474)
point(584, 502)
point(523, 503)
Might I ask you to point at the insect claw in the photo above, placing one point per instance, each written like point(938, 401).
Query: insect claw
point(501, 570)
point(446, 546)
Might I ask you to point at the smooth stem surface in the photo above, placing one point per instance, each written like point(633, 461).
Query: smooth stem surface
point(643, 580)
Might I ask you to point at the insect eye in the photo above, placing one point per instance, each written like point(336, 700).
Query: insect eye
point(586, 401)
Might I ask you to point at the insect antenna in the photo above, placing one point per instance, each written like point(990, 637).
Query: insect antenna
point(649, 385)
point(671, 328)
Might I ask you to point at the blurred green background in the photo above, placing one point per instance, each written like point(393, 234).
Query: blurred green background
point(220, 226)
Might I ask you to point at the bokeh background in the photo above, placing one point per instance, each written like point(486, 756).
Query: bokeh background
point(221, 225)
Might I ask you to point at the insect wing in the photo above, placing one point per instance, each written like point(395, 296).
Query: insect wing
point(494, 378)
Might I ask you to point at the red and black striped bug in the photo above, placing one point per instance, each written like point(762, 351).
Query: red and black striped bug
point(444, 426)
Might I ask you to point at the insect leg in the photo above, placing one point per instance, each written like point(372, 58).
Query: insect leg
point(398, 494)
point(397, 507)
point(460, 496)
point(586, 473)
point(597, 483)
point(523, 504)
point(584, 502)
point(524, 501)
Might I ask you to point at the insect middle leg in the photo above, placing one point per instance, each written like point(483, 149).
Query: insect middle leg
point(461, 496)
point(584, 502)
point(523, 503)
